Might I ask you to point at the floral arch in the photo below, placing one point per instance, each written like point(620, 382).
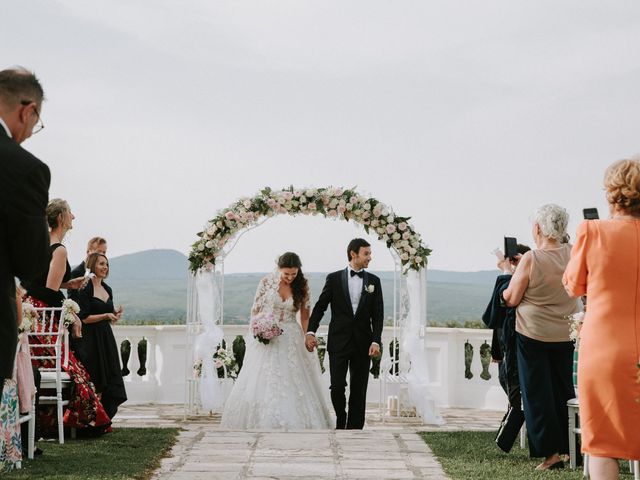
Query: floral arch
point(220, 235)
point(338, 203)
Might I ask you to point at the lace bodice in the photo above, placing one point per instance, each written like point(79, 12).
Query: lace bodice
point(284, 310)
point(268, 299)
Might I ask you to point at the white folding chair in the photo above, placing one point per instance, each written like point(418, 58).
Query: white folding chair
point(52, 347)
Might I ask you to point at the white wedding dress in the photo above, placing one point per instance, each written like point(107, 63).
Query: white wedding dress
point(279, 386)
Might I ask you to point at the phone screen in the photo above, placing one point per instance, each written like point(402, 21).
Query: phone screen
point(510, 247)
point(590, 213)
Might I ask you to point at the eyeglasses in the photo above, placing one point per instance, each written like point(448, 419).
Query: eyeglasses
point(39, 126)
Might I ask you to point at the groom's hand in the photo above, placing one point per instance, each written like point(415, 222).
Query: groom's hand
point(310, 342)
point(374, 350)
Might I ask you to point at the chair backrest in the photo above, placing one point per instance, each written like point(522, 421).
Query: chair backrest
point(50, 340)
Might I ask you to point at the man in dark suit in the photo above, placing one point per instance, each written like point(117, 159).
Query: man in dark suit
point(355, 331)
point(24, 191)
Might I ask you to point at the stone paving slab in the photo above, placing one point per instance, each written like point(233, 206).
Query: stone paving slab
point(386, 449)
point(278, 455)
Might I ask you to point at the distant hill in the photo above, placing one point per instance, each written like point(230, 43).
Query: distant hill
point(149, 265)
point(152, 285)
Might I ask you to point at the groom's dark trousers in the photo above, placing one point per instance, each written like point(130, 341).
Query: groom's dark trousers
point(350, 336)
point(358, 367)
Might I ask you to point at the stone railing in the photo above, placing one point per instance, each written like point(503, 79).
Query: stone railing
point(166, 369)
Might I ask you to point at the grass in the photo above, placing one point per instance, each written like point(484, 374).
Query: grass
point(125, 453)
point(466, 455)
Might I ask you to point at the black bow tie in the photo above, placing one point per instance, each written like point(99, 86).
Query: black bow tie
point(360, 273)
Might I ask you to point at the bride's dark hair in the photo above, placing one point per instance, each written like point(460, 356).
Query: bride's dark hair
point(299, 284)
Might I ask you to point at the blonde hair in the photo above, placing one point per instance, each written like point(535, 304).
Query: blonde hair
point(95, 241)
point(55, 208)
point(552, 220)
point(622, 184)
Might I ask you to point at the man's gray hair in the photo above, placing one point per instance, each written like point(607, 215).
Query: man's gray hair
point(19, 85)
point(553, 221)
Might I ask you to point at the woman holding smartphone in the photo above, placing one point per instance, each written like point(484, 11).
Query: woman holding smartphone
point(101, 350)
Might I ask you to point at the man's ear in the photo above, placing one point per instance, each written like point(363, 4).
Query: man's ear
point(25, 112)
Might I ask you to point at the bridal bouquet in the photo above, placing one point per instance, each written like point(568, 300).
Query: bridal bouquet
point(265, 327)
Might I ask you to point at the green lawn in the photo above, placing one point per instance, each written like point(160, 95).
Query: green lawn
point(125, 453)
point(474, 455)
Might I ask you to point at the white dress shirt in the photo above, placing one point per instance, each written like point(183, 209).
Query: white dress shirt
point(4, 125)
point(355, 288)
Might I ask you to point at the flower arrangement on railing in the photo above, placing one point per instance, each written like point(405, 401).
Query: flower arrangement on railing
point(331, 202)
point(223, 360)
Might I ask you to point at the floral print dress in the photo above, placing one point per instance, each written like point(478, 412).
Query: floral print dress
point(10, 444)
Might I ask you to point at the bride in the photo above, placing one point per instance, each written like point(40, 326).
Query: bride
point(279, 386)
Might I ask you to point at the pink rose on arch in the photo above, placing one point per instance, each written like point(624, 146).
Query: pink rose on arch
point(313, 207)
point(391, 229)
point(332, 213)
point(341, 209)
point(230, 215)
point(402, 226)
point(288, 196)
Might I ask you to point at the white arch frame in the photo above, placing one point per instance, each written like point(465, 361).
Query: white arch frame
point(221, 235)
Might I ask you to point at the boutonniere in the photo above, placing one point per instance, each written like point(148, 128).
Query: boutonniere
point(370, 288)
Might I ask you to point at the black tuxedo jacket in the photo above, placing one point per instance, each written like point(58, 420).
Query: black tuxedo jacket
point(77, 271)
point(24, 236)
point(349, 329)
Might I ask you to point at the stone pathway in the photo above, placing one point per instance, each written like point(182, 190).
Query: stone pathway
point(389, 450)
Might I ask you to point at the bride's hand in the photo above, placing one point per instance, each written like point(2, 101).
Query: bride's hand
point(310, 342)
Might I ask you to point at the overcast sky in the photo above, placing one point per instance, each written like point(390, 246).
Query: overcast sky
point(465, 116)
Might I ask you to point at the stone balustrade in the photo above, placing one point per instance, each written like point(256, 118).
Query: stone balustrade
point(166, 370)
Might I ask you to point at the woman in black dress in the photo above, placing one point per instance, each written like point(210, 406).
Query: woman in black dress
point(84, 410)
point(100, 348)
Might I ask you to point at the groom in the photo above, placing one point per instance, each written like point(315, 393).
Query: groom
point(355, 331)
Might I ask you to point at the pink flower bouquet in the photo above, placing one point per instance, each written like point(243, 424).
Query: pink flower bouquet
point(265, 327)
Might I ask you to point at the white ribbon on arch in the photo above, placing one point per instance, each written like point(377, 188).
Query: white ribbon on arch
point(209, 311)
point(413, 345)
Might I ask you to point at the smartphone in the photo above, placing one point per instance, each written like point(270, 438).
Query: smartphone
point(590, 213)
point(510, 247)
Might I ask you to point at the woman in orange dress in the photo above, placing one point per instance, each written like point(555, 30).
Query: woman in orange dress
point(605, 265)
